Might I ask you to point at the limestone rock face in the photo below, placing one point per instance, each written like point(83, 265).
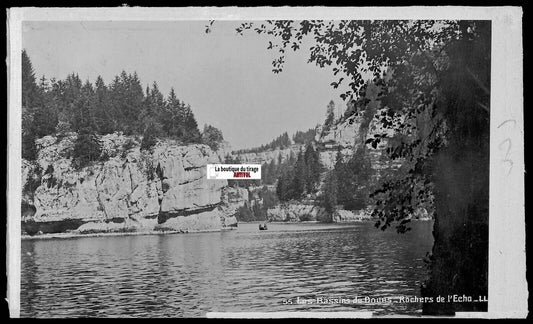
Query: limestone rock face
point(182, 173)
point(294, 212)
point(204, 221)
point(129, 191)
point(344, 134)
point(233, 198)
point(347, 216)
point(348, 136)
point(269, 155)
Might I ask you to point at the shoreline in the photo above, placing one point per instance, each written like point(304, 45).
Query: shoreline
point(77, 235)
point(70, 235)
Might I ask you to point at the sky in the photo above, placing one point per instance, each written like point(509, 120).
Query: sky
point(226, 78)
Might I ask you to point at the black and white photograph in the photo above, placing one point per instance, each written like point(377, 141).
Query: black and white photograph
point(227, 165)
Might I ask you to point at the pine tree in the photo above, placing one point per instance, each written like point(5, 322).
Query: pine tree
point(58, 107)
point(212, 137)
point(344, 179)
point(84, 110)
point(37, 119)
point(281, 188)
point(172, 117)
point(330, 117)
point(353, 180)
point(151, 133)
point(31, 95)
point(45, 113)
point(300, 176)
point(71, 90)
point(105, 116)
point(304, 137)
point(312, 162)
point(271, 172)
point(191, 134)
point(29, 149)
point(87, 148)
point(292, 158)
point(329, 199)
point(127, 98)
point(63, 124)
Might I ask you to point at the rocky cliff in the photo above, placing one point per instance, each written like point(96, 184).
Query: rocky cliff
point(297, 211)
point(300, 211)
point(268, 155)
point(349, 133)
point(128, 191)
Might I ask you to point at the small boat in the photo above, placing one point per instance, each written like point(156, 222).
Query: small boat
point(263, 227)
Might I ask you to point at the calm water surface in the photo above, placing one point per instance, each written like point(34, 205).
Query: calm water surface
point(244, 270)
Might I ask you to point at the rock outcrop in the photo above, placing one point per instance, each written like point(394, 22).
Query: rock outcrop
point(269, 155)
point(132, 190)
point(233, 198)
point(348, 216)
point(349, 135)
point(295, 212)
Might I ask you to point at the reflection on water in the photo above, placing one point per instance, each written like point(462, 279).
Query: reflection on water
point(244, 270)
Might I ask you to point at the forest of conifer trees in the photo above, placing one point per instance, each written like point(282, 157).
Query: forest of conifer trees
point(57, 107)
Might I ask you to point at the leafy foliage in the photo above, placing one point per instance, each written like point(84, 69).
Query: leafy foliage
point(420, 56)
point(212, 137)
point(435, 79)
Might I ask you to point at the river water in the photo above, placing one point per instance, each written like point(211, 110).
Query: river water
point(243, 270)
